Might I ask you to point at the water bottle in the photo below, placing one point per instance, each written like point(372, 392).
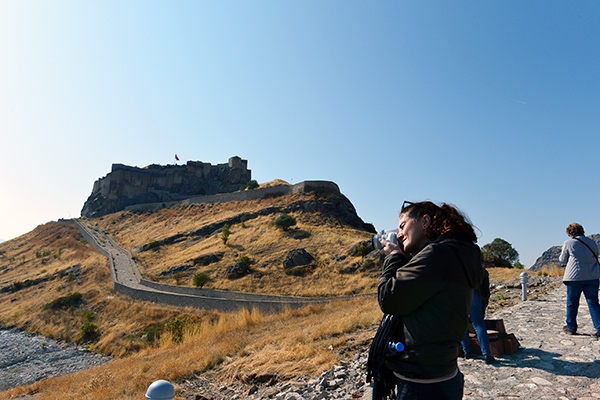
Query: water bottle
point(396, 347)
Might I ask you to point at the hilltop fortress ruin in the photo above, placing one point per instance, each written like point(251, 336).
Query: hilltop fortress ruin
point(125, 186)
point(155, 186)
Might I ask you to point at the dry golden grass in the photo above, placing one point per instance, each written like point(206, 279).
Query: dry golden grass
point(551, 270)
point(248, 344)
point(507, 274)
point(236, 346)
point(121, 320)
point(498, 274)
point(257, 238)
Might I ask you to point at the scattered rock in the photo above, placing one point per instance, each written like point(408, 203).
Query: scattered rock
point(297, 257)
point(207, 259)
point(176, 269)
point(237, 271)
point(361, 248)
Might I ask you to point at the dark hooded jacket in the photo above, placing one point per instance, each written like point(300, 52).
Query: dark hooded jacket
point(432, 293)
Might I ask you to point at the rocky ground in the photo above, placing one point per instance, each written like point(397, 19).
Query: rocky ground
point(25, 358)
point(548, 365)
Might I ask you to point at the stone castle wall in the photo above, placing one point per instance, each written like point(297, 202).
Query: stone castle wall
point(125, 186)
point(255, 194)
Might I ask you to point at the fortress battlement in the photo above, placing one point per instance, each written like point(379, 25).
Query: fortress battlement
point(125, 185)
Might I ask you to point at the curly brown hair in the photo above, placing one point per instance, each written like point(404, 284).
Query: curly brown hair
point(446, 220)
point(575, 229)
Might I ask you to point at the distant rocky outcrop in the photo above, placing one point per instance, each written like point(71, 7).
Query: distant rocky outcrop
point(550, 256)
point(125, 186)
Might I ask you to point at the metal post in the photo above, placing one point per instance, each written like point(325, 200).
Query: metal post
point(160, 390)
point(524, 279)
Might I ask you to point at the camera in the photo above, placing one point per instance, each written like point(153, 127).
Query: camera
point(389, 235)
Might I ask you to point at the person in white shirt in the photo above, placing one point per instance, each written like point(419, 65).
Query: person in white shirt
point(582, 275)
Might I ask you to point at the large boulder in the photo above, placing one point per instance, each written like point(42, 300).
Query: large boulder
point(297, 258)
point(207, 259)
point(237, 271)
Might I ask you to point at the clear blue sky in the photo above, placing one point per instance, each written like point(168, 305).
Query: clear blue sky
point(493, 106)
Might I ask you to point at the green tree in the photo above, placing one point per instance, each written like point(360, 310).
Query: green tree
point(225, 234)
point(500, 253)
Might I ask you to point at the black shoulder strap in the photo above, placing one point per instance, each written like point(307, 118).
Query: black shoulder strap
point(586, 245)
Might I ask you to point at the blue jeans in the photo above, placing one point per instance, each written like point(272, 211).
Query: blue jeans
point(448, 390)
point(477, 319)
point(590, 291)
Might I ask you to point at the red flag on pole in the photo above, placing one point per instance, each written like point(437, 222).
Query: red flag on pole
point(176, 158)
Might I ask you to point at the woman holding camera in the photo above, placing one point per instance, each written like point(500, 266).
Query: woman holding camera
point(428, 281)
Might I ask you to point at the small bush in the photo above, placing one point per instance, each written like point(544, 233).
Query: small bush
point(68, 301)
point(88, 315)
point(247, 261)
point(500, 296)
point(301, 270)
point(285, 221)
point(16, 286)
point(251, 185)
point(152, 335)
point(225, 234)
point(175, 328)
point(200, 279)
point(178, 276)
point(362, 250)
point(88, 330)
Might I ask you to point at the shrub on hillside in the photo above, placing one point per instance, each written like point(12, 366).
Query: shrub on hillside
point(68, 301)
point(88, 330)
point(152, 335)
point(251, 185)
point(200, 279)
point(225, 234)
point(247, 261)
point(175, 328)
point(302, 270)
point(285, 221)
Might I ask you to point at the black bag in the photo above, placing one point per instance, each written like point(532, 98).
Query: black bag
point(384, 380)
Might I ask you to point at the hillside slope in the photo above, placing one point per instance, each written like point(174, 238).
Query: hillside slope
point(42, 271)
point(172, 245)
point(53, 283)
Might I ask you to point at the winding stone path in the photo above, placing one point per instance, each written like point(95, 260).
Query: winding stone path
point(128, 280)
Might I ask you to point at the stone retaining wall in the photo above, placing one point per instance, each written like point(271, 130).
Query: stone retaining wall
point(255, 194)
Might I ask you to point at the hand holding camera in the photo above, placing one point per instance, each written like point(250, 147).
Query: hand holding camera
point(387, 242)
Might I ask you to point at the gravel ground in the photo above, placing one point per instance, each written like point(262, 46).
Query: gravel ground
point(27, 358)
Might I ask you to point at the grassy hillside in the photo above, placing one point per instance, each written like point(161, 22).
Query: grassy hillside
point(172, 240)
point(52, 283)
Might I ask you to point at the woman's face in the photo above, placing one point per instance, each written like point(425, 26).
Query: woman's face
point(411, 232)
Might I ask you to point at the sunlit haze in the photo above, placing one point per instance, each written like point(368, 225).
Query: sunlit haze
point(493, 106)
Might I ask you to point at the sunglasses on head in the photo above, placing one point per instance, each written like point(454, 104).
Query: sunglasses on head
point(406, 204)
